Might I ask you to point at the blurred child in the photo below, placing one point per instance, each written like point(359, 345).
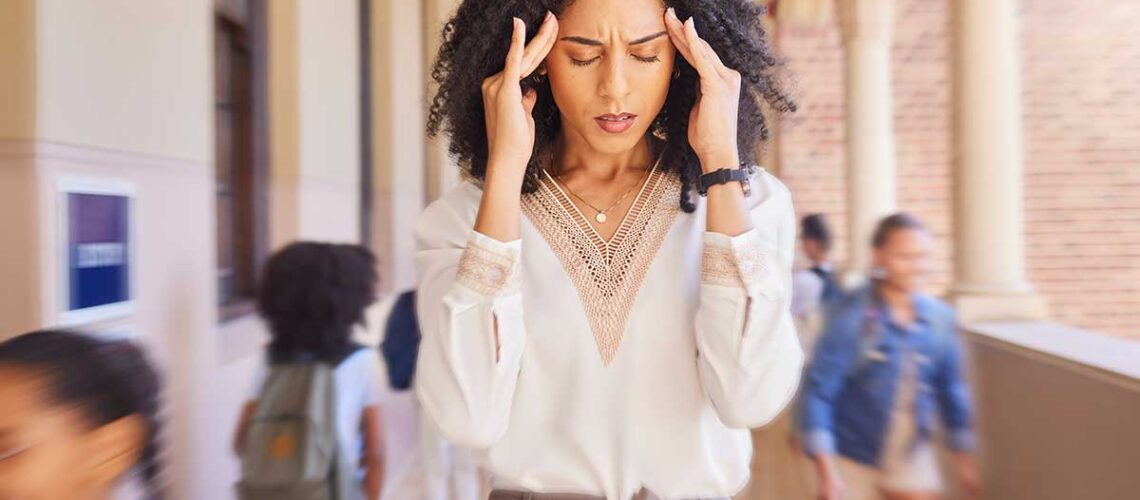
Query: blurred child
point(318, 390)
point(887, 364)
point(79, 415)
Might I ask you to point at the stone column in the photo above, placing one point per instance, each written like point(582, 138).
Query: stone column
point(398, 137)
point(442, 172)
point(990, 281)
point(867, 34)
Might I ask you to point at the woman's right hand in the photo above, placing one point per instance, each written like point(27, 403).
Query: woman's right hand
point(510, 126)
point(510, 131)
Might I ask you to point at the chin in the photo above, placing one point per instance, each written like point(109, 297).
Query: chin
point(615, 144)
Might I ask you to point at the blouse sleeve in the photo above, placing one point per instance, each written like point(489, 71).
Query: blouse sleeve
point(749, 355)
point(470, 311)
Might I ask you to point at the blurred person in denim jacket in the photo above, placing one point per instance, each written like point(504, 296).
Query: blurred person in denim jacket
point(886, 366)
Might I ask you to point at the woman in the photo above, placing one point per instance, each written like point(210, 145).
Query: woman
point(80, 417)
point(608, 333)
point(888, 360)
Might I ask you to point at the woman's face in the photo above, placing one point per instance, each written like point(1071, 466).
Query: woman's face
point(47, 452)
point(905, 258)
point(610, 70)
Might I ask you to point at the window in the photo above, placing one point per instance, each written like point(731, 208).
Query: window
point(240, 166)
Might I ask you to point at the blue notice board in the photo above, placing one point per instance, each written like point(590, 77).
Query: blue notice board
point(97, 252)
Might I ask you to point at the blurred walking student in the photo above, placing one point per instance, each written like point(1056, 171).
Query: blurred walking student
point(79, 417)
point(449, 472)
point(318, 390)
point(777, 449)
point(816, 286)
point(887, 365)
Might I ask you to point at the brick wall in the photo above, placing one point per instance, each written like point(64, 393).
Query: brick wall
point(1081, 85)
point(1081, 80)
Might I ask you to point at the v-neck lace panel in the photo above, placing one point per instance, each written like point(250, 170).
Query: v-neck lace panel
point(606, 274)
point(605, 246)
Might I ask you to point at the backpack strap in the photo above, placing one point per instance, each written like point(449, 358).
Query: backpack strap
point(278, 357)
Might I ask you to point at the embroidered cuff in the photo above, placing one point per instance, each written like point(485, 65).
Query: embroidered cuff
point(489, 266)
point(736, 262)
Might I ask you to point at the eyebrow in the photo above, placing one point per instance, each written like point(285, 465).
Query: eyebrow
point(598, 43)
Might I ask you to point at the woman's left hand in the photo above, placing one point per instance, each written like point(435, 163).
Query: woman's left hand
point(713, 120)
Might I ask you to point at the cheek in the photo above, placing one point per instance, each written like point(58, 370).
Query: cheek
point(655, 79)
point(51, 469)
point(571, 89)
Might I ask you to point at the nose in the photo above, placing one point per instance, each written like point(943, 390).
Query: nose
point(614, 84)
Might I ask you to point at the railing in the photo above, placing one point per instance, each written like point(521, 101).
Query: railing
point(1058, 412)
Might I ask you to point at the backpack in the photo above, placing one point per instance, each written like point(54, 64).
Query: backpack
point(401, 342)
point(291, 447)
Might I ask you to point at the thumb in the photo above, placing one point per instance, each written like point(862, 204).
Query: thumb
point(530, 97)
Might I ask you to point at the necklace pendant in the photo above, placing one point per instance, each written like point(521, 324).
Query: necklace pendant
point(601, 218)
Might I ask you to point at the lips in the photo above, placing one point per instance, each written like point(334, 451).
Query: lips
point(615, 123)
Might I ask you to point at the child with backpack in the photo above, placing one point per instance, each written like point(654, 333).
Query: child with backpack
point(312, 429)
point(886, 366)
point(80, 415)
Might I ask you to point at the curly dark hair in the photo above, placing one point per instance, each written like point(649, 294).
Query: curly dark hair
point(312, 294)
point(105, 379)
point(475, 44)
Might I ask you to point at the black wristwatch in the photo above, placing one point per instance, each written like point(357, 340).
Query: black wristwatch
point(726, 175)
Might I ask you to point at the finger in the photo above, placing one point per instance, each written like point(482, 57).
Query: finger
point(722, 70)
point(700, 60)
point(540, 45)
point(514, 55)
point(535, 46)
point(676, 32)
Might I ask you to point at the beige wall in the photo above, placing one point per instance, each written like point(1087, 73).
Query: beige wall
point(112, 73)
point(284, 118)
point(17, 57)
point(329, 83)
point(19, 261)
point(19, 308)
point(400, 148)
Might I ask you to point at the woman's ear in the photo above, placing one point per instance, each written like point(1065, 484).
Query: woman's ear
point(115, 448)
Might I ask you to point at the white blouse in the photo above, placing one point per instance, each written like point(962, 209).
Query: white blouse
point(584, 366)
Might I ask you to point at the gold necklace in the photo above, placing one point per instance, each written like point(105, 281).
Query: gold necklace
point(601, 216)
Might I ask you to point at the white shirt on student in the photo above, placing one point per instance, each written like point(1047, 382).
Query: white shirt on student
point(578, 366)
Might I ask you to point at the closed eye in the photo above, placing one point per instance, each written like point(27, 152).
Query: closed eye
point(587, 62)
point(11, 452)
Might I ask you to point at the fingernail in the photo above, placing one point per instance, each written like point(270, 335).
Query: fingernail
point(516, 20)
point(671, 13)
point(548, 15)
